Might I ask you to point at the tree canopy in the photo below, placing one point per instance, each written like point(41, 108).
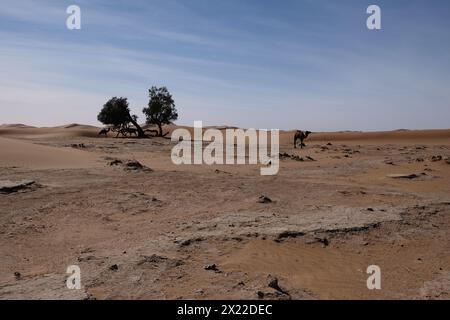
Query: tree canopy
point(115, 112)
point(161, 108)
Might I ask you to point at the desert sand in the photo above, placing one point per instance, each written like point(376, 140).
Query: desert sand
point(161, 231)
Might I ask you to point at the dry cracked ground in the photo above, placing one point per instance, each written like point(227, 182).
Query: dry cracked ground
point(162, 231)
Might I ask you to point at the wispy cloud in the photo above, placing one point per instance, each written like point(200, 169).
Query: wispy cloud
point(271, 64)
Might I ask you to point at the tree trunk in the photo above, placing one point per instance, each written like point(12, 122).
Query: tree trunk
point(160, 129)
point(141, 133)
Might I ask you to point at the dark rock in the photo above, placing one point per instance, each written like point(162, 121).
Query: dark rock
point(17, 275)
point(188, 242)
point(404, 176)
point(264, 199)
point(290, 234)
point(7, 186)
point(134, 165)
point(156, 259)
point(290, 156)
point(211, 267)
point(324, 241)
point(273, 283)
point(297, 158)
point(115, 162)
point(114, 267)
point(79, 145)
point(436, 158)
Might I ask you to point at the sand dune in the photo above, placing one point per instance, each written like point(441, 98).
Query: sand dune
point(67, 131)
point(15, 125)
point(16, 153)
point(286, 137)
point(415, 136)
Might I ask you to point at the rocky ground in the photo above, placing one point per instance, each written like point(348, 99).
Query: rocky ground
point(140, 227)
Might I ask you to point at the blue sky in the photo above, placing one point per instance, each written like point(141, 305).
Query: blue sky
point(308, 64)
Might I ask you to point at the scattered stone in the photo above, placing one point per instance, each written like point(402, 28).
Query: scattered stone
point(17, 275)
point(114, 267)
point(188, 242)
point(134, 165)
point(129, 165)
point(264, 199)
point(323, 241)
point(390, 162)
point(221, 171)
point(79, 145)
point(297, 158)
point(7, 186)
point(290, 156)
point(115, 162)
point(329, 144)
point(273, 283)
point(420, 160)
point(156, 259)
point(152, 259)
point(211, 267)
point(294, 157)
point(87, 258)
point(403, 176)
point(289, 234)
point(436, 158)
point(272, 295)
point(370, 209)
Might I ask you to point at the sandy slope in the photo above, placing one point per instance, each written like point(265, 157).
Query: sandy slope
point(16, 153)
point(149, 234)
point(286, 137)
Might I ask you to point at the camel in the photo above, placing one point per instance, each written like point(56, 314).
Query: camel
point(131, 131)
point(301, 135)
point(104, 131)
point(127, 131)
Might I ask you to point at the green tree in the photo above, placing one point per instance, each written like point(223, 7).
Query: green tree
point(161, 108)
point(115, 112)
